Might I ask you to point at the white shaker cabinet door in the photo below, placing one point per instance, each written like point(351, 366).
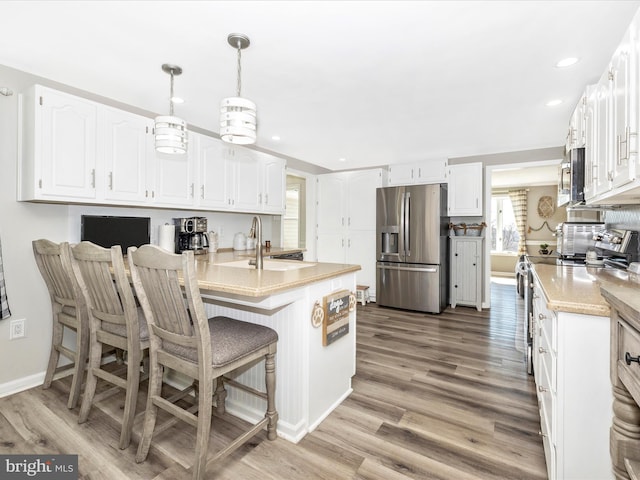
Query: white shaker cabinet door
point(213, 172)
point(61, 141)
point(126, 147)
point(174, 179)
point(624, 126)
point(248, 187)
point(273, 185)
point(465, 189)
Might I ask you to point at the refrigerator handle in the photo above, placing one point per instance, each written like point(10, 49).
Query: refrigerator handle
point(401, 242)
point(407, 230)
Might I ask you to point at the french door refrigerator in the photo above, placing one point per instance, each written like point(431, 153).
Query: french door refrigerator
point(411, 247)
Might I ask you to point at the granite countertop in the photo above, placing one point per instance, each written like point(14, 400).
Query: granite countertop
point(214, 277)
point(577, 289)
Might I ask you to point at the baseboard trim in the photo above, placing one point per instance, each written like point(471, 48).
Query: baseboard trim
point(21, 384)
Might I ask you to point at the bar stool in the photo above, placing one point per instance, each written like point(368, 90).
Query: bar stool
point(183, 339)
point(114, 322)
point(69, 311)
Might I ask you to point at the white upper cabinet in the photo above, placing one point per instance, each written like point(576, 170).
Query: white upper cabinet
point(273, 198)
point(215, 180)
point(126, 157)
point(59, 146)
point(612, 127)
point(238, 179)
point(576, 135)
point(248, 186)
point(79, 151)
point(624, 122)
point(427, 171)
point(465, 190)
point(174, 179)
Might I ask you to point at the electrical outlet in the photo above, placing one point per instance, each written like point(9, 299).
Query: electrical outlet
point(17, 328)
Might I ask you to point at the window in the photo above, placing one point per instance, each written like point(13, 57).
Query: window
point(294, 224)
point(504, 234)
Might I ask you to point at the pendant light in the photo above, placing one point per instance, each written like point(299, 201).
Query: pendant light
point(237, 114)
point(170, 131)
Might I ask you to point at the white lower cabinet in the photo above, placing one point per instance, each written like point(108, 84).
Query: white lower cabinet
point(466, 271)
point(571, 368)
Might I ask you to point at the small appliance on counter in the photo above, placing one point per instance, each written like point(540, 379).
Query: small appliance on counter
point(575, 239)
point(239, 241)
point(617, 247)
point(191, 234)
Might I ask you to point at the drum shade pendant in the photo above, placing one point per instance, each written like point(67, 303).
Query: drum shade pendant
point(170, 131)
point(237, 114)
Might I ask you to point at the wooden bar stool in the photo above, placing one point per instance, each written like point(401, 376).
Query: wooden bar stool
point(183, 339)
point(114, 322)
point(69, 311)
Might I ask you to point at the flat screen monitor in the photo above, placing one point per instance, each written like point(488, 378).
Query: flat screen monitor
point(107, 231)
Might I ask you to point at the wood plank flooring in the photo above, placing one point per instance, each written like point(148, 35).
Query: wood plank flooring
point(435, 397)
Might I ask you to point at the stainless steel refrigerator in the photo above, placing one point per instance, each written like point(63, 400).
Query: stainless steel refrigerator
point(411, 247)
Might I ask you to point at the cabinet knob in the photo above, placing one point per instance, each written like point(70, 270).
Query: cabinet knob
point(455, 286)
point(541, 389)
point(629, 359)
point(541, 316)
point(543, 435)
point(541, 350)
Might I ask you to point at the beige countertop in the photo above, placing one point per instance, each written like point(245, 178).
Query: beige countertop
point(577, 289)
point(214, 277)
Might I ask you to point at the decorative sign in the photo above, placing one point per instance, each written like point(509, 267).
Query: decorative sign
point(317, 315)
point(336, 316)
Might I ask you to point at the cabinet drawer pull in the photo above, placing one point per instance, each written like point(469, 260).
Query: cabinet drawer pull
point(541, 350)
point(541, 316)
point(628, 358)
point(541, 389)
point(543, 435)
point(535, 296)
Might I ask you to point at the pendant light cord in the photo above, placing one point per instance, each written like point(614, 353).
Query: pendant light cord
point(171, 96)
point(239, 68)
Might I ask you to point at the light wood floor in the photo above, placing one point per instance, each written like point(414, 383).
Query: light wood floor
point(435, 397)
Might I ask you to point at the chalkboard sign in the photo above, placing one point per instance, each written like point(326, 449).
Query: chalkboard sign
point(336, 316)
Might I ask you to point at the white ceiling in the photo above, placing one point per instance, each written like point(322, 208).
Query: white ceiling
point(374, 82)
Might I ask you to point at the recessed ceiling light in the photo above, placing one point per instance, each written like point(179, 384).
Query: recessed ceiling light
point(567, 62)
point(553, 103)
point(177, 100)
point(342, 159)
point(275, 137)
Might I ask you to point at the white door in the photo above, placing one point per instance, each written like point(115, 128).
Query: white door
point(361, 199)
point(274, 189)
point(125, 162)
point(624, 127)
point(174, 184)
point(248, 186)
point(331, 202)
point(68, 145)
point(213, 172)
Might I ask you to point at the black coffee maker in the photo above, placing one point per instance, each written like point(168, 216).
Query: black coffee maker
point(191, 234)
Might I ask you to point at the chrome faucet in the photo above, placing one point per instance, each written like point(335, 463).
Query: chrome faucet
point(256, 226)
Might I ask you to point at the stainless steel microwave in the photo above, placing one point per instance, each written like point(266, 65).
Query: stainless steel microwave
point(571, 178)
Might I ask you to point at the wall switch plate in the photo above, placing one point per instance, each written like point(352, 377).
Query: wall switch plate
point(17, 328)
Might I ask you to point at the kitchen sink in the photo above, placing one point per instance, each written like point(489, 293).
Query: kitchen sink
point(274, 265)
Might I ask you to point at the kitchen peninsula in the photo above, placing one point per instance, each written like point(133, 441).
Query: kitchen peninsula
point(311, 379)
